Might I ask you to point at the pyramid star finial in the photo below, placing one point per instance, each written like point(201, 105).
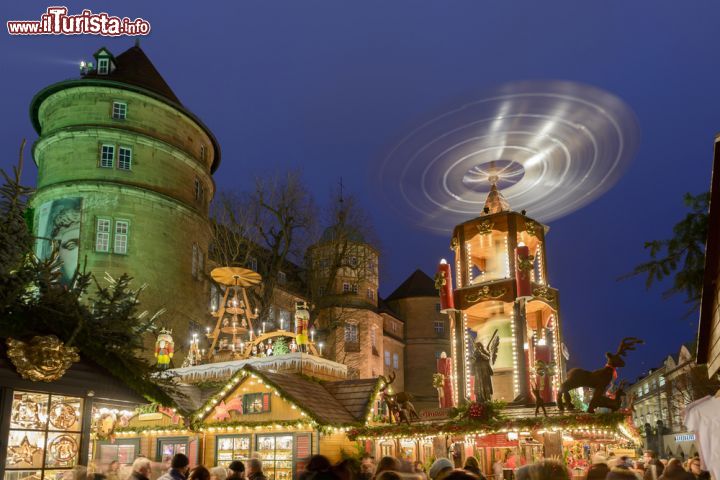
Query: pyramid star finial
point(495, 202)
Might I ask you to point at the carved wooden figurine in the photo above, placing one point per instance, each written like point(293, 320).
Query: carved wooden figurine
point(399, 404)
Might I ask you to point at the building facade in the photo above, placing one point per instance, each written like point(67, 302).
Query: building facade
point(125, 182)
point(708, 351)
point(660, 397)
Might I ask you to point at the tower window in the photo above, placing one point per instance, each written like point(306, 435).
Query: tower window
point(103, 66)
point(354, 288)
point(352, 338)
point(252, 263)
point(439, 327)
point(195, 250)
point(198, 190)
point(202, 152)
point(107, 156)
point(121, 237)
point(346, 287)
point(124, 158)
point(102, 235)
point(396, 360)
point(282, 278)
point(387, 357)
point(437, 307)
point(353, 261)
point(370, 293)
point(351, 333)
point(321, 291)
point(119, 110)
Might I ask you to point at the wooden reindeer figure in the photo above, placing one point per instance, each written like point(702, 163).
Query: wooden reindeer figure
point(598, 380)
point(399, 404)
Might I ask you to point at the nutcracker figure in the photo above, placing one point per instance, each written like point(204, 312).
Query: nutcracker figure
point(164, 349)
point(444, 368)
point(302, 325)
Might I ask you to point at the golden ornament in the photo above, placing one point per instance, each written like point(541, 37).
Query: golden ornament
point(22, 453)
point(41, 359)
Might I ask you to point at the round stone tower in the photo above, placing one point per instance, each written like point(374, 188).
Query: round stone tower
point(343, 281)
point(125, 181)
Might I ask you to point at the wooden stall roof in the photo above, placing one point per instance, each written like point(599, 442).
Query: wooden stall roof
point(344, 402)
point(355, 395)
point(81, 378)
point(192, 397)
point(311, 396)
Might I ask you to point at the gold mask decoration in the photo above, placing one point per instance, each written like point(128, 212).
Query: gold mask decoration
point(41, 359)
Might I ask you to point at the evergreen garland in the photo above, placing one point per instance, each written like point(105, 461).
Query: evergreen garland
point(467, 426)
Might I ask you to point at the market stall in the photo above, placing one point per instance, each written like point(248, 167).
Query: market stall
point(47, 427)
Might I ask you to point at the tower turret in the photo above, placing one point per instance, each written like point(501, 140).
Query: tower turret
point(343, 279)
point(125, 181)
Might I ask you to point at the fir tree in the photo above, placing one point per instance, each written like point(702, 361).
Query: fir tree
point(102, 322)
point(280, 346)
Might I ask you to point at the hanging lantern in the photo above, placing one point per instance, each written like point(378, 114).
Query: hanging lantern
point(443, 283)
point(523, 267)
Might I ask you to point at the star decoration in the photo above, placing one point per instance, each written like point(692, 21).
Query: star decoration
point(23, 452)
point(222, 411)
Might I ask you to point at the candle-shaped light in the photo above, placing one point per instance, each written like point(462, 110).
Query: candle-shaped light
point(443, 283)
point(312, 334)
point(282, 322)
point(321, 347)
point(263, 327)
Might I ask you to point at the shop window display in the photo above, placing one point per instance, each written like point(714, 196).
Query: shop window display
point(44, 437)
point(167, 448)
point(276, 452)
point(232, 447)
point(256, 403)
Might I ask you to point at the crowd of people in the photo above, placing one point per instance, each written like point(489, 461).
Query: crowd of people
point(649, 467)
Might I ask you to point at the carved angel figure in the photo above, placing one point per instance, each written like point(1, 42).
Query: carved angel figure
point(484, 358)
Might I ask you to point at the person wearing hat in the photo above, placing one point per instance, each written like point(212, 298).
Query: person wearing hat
point(440, 469)
point(179, 468)
point(237, 470)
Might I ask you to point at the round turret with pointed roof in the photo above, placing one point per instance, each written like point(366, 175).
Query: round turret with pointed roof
point(125, 182)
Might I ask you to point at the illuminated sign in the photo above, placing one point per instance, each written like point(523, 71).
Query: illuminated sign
point(685, 437)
